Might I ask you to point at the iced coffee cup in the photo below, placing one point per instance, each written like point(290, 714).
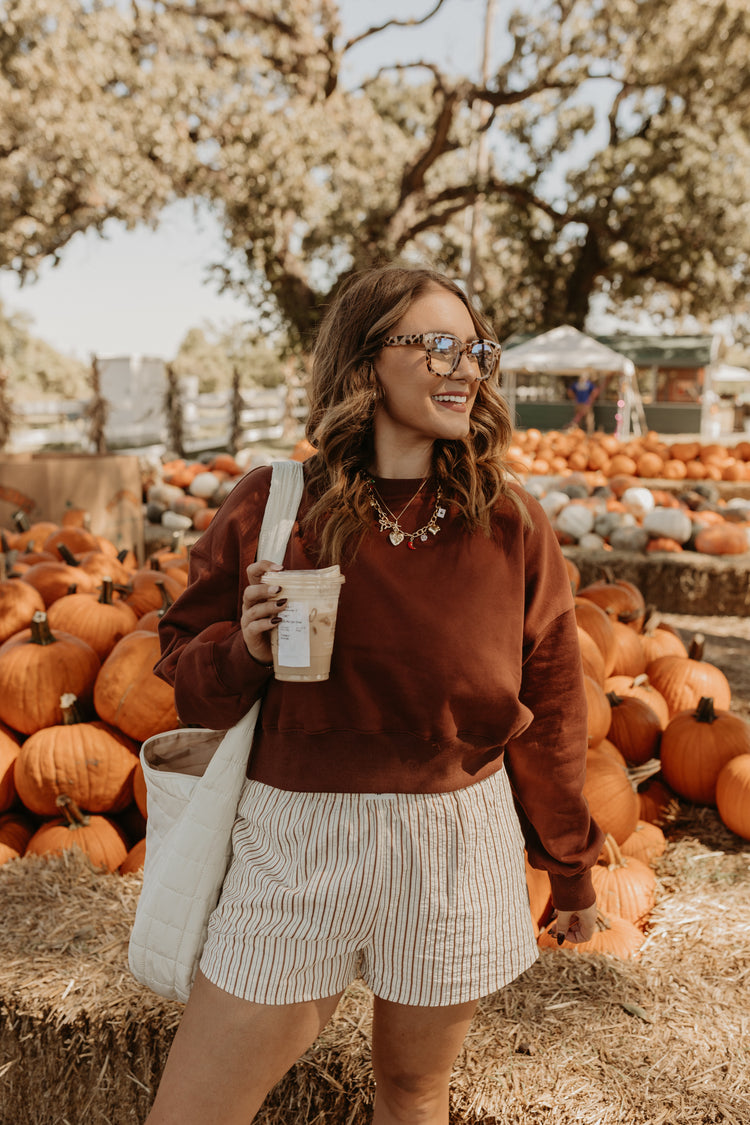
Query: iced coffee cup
point(303, 642)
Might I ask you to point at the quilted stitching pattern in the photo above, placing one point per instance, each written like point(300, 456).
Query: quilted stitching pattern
point(188, 832)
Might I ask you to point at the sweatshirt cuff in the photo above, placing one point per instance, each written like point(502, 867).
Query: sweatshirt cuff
point(572, 892)
point(239, 671)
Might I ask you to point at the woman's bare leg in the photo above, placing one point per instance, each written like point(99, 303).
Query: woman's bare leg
point(413, 1051)
point(229, 1053)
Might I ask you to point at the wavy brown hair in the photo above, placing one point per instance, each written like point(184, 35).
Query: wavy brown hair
point(473, 473)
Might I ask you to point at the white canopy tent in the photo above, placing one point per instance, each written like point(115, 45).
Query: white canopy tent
point(566, 351)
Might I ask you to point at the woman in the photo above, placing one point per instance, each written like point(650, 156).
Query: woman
point(377, 833)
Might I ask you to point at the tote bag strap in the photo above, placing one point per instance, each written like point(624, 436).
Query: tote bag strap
point(287, 484)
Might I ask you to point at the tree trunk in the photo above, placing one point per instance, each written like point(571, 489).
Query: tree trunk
point(580, 287)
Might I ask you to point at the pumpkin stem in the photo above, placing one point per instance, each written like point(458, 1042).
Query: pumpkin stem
point(166, 601)
point(67, 555)
point(154, 563)
point(695, 652)
point(614, 699)
point(69, 707)
point(641, 681)
point(612, 852)
point(71, 812)
point(21, 520)
point(122, 554)
point(602, 922)
point(40, 630)
point(607, 574)
point(105, 594)
point(704, 712)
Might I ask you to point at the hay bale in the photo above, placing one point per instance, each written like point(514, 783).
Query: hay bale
point(578, 1039)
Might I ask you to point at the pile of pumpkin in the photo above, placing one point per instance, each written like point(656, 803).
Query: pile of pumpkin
point(185, 494)
point(659, 728)
point(627, 515)
point(77, 692)
point(650, 457)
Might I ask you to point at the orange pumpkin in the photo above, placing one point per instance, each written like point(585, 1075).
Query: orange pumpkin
point(722, 539)
point(139, 790)
point(683, 680)
point(630, 659)
point(657, 803)
point(135, 858)
point(55, 579)
point(145, 590)
point(624, 886)
point(37, 666)
point(540, 895)
point(642, 688)
point(8, 754)
point(97, 836)
point(128, 695)
point(15, 831)
point(622, 599)
point(91, 762)
point(100, 620)
point(598, 714)
point(634, 727)
point(19, 601)
point(591, 656)
point(696, 745)
point(594, 620)
point(733, 795)
point(610, 795)
point(647, 843)
point(660, 639)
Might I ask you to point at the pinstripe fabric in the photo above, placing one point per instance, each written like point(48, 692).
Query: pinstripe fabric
point(422, 894)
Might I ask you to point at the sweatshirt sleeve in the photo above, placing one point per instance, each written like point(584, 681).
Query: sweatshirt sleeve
point(203, 652)
point(546, 763)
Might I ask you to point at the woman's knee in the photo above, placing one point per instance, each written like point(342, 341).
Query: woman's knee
point(411, 1096)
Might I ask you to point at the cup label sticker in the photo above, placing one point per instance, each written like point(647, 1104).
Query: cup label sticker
point(294, 636)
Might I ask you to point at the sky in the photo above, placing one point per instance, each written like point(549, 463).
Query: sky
point(138, 292)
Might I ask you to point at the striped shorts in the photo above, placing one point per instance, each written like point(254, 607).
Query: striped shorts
point(423, 895)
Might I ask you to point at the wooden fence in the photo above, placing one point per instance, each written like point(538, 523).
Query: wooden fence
point(208, 422)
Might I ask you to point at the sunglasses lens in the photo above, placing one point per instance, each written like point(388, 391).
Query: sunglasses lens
point(443, 351)
point(486, 356)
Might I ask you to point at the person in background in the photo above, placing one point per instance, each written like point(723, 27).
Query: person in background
point(584, 392)
point(382, 826)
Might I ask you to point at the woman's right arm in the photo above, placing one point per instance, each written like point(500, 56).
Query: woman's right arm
point(214, 638)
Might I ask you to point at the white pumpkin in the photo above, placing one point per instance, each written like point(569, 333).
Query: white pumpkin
point(575, 520)
point(554, 502)
point(175, 522)
point(670, 522)
point(591, 541)
point(638, 500)
point(204, 485)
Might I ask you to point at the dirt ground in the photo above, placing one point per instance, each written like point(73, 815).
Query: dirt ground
point(727, 645)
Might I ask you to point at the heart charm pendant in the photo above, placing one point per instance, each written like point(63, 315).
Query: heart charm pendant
point(396, 537)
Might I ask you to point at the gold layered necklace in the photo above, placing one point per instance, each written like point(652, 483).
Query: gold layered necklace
point(390, 523)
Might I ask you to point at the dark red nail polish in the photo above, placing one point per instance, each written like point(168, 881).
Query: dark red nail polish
point(282, 601)
point(276, 620)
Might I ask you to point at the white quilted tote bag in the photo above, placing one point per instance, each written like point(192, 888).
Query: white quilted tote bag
point(193, 779)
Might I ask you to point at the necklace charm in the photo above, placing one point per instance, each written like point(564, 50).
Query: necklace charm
point(388, 522)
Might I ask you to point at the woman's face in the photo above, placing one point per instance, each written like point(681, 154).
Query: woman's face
point(417, 406)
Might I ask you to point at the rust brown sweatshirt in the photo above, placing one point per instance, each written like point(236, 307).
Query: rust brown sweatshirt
point(449, 661)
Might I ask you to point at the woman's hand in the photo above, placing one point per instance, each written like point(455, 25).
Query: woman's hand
point(260, 611)
point(576, 925)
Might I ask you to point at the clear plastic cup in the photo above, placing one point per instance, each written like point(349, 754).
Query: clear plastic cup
point(302, 644)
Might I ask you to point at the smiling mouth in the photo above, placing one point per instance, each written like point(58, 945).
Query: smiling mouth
point(461, 399)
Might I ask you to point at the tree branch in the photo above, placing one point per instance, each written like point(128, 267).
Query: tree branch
point(392, 23)
point(413, 178)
